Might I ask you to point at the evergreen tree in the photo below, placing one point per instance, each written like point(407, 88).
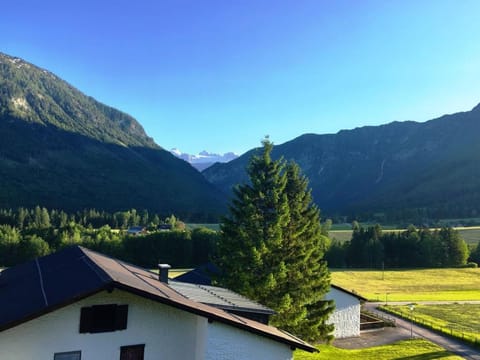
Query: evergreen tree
point(301, 309)
point(258, 214)
point(21, 216)
point(271, 247)
point(455, 248)
point(475, 254)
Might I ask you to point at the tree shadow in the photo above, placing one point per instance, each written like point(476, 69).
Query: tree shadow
point(427, 356)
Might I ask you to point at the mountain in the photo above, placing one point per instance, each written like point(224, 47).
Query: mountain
point(402, 170)
point(204, 159)
point(62, 149)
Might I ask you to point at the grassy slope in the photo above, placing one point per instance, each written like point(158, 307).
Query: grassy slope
point(409, 349)
point(412, 285)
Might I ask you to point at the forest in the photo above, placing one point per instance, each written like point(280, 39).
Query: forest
point(29, 233)
point(412, 248)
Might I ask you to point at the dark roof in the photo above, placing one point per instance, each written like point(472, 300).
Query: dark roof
point(219, 297)
point(200, 275)
point(358, 296)
point(136, 228)
point(45, 284)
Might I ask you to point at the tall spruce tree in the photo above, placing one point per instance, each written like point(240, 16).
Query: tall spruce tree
point(272, 246)
point(258, 215)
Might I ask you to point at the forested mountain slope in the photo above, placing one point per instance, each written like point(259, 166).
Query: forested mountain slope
point(401, 170)
point(62, 149)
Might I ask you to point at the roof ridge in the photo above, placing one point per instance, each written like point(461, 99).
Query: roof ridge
point(240, 295)
point(42, 287)
point(97, 269)
point(119, 262)
point(216, 295)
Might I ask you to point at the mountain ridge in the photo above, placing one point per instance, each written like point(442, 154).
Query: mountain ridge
point(422, 168)
point(63, 149)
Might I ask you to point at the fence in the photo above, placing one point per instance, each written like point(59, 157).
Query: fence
point(471, 337)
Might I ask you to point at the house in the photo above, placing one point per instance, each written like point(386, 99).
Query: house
point(136, 230)
point(346, 316)
point(164, 227)
point(78, 304)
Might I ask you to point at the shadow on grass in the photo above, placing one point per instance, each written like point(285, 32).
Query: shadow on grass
point(428, 356)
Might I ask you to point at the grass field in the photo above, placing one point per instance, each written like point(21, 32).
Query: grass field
point(173, 273)
point(471, 235)
point(340, 235)
point(409, 349)
point(460, 320)
point(411, 285)
point(215, 227)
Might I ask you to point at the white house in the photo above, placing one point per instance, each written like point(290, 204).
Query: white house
point(78, 304)
point(346, 316)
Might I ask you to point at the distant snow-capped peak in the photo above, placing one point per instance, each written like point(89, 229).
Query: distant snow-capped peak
point(176, 152)
point(204, 159)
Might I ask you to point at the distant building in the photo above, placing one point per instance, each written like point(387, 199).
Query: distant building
point(136, 230)
point(164, 227)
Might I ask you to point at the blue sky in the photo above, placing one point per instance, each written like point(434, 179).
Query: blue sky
point(219, 75)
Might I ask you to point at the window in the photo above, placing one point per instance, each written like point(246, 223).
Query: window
point(103, 318)
point(72, 355)
point(132, 352)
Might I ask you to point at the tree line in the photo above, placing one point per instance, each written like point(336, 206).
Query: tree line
point(29, 233)
point(370, 247)
point(41, 217)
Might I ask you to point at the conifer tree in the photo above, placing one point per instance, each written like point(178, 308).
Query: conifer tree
point(259, 213)
point(272, 246)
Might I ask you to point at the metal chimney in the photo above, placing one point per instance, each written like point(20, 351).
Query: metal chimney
point(163, 272)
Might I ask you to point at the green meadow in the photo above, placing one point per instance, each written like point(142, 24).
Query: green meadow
point(411, 285)
point(459, 320)
point(409, 349)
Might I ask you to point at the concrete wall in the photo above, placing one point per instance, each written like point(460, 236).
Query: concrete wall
point(228, 343)
point(346, 317)
point(167, 333)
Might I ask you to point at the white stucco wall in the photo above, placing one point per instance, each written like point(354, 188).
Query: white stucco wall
point(346, 316)
point(229, 343)
point(167, 333)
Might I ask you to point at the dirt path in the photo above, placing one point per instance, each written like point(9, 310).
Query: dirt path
point(405, 327)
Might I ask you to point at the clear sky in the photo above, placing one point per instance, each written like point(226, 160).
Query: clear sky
point(220, 74)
